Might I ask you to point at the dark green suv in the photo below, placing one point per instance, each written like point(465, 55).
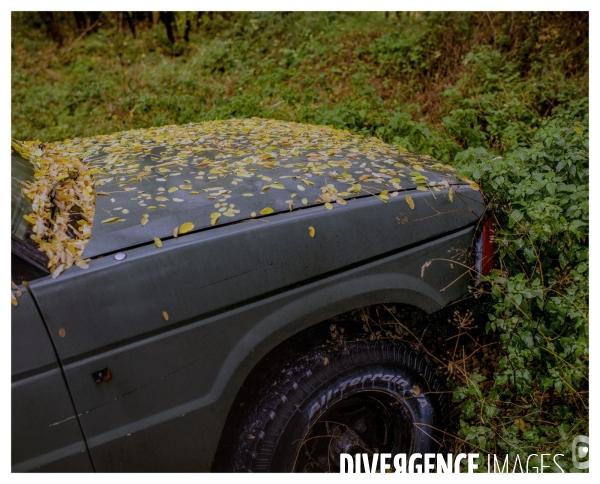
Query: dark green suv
point(176, 319)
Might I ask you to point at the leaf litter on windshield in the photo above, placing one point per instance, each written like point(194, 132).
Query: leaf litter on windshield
point(229, 153)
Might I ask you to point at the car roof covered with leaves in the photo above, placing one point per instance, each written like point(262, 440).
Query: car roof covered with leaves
point(161, 182)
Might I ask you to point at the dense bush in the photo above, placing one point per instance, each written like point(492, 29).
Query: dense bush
point(501, 95)
point(538, 399)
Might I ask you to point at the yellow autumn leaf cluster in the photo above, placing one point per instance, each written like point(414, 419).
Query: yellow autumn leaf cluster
point(74, 195)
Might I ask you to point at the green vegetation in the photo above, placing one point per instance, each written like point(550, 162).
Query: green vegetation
point(503, 96)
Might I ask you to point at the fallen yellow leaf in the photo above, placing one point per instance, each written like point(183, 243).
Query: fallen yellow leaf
point(157, 242)
point(266, 211)
point(328, 206)
point(186, 227)
point(311, 231)
point(166, 315)
point(410, 202)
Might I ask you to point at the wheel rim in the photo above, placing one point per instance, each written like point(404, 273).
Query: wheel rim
point(363, 423)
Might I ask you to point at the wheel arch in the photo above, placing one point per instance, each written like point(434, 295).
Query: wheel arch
point(285, 327)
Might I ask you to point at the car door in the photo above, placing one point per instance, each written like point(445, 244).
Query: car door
point(45, 432)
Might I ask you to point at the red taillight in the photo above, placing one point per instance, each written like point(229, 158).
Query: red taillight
point(484, 261)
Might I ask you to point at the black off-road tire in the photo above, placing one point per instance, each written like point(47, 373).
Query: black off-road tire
point(377, 394)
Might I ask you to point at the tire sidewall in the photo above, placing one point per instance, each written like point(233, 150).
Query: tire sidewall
point(404, 384)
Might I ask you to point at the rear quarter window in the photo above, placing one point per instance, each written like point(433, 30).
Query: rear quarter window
point(27, 263)
point(21, 170)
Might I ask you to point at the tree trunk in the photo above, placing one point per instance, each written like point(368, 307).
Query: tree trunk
point(94, 16)
point(188, 27)
point(168, 19)
point(130, 23)
point(53, 26)
point(81, 21)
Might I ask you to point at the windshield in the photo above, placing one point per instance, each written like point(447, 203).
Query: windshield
point(21, 170)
